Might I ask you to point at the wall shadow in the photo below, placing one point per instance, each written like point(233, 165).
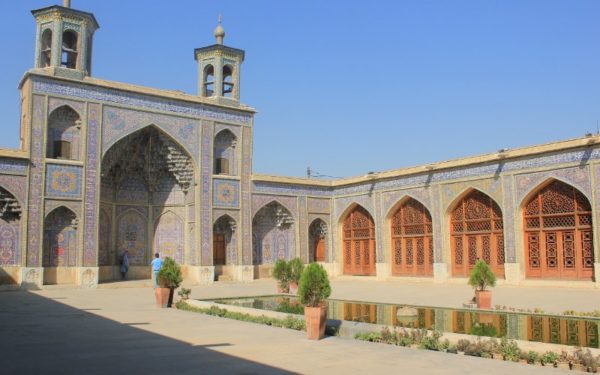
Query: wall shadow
point(44, 336)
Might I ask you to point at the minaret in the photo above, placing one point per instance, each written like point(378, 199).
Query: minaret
point(219, 70)
point(64, 40)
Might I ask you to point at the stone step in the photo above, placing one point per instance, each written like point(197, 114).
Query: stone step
point(224, 278)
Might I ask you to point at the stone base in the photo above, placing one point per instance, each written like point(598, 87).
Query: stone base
point(202, 275)
point(382, 271)
point(440, 272)
point(10, 276)
point(32, 277)
point(512, 273)
point(243, 273)
point(597, 274)
point(87, 277)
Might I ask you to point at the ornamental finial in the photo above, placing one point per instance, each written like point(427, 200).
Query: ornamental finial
point(219, 32)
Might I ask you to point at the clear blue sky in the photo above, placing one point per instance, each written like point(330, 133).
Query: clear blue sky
point(349, 87)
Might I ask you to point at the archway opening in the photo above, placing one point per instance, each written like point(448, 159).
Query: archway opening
point(273, 233)
point(558, 235)
point(358, 237)
point(60, 246)
point(412, 240)
point(476, 232)
point(317, 241)
point(147, 185)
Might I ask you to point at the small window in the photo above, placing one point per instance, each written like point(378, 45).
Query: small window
point(227, 81)
point(62, 150)
point(209, 81)
point(46, 48)
point(69, 50)
point(222, 166)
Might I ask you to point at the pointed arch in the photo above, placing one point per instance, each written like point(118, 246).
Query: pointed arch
point(476, 232)
point(10, 228)
point(168, 236)
point(60, 238)
point(272, 202)
point(411, 233)
point(349, 207)
point(273, 228)
point(318, 233)
point(224, 244)
point(224, 153)
point(558, 232)
point(358, 237)
point(63, 140)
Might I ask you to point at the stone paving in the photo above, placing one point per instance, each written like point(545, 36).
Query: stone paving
point(117, 329)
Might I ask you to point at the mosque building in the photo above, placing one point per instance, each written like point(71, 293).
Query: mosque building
point(105, 167)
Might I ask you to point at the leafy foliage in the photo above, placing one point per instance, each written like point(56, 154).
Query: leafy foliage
point(281, 273)
point(295, 268)
point(482, 276)
point(314, 285)
point(169, 275)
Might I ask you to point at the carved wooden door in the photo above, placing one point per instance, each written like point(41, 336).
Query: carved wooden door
point(412, 242)
point(558, 234)
point(476, 233)
point(218, 249)
point(359, 243)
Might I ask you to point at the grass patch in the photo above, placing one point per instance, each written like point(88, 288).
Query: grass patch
point(289, 322)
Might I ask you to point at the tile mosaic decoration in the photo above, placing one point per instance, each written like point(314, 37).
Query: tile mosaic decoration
point(36, 172)
point(246, 196)
point(236, 130)
point(341, 205)
point(168, 237)
point(10, 242)
point(490, 186)
point(579, 177)
point(436, 216)
point(191, 254)
point(290, 203)
point(290, 189)
point(379, 225)
point(16, 185)
point(46, 86)
point(142, 210)
point(77, 106)
point(106, 256)
point(391, 198)
point(205, 196)
point(226, 193)
point(271, 242)
point(303, 226)
point(120, 122)
point(317, 205)
point(63, 181)
point(18, 166)
point(132, 229)
point(51, 204)
point(509, 219)
point(90, 243)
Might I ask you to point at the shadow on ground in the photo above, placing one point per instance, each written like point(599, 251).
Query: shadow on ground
point(44, 336)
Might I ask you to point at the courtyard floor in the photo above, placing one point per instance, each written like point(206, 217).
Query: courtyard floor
point(117, 329)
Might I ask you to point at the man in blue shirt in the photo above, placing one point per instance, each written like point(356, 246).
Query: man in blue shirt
point(156, 266)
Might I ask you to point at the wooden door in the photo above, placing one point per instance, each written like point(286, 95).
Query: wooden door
point(412, 242)
point(320, 249)
point(359, 243)
point(218, 249)
point(558, 234)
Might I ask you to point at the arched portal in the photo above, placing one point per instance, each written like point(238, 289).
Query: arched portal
point(476, 233)
point(359, 243)
point(147, 181)
point(273, 233)
point(317, 234)
point(10, 229)
point(557, 221)
point(60, 245)
point(412, 241)
point(224, 251)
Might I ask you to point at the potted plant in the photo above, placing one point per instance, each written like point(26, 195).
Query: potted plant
point(169, 277)
point(295, 268)
point(480, 278)
point(313, 290)
point(281, 273)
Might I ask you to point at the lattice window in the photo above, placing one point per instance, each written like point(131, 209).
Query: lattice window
point(551, 250)
point(537, 329)
point(587, 249)
point(472, 250)
point(430, 242)
point(411, 223)
point(572, 332)
point(357, 253)
point(409, 252)
point(486, 249)
point(500, 249)
point(534, 250)
point(347, 252)
point(568, 250)
point(591, 332)
point(398, 252)
point(554, 330)
point(458, 250)
point(420, 251)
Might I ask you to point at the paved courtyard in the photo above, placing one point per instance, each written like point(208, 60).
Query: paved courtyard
point(117, 329)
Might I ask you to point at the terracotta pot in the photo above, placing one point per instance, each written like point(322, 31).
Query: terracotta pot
point(484, 299)
point(293, 287)
point(315, 318)
point(162, 296)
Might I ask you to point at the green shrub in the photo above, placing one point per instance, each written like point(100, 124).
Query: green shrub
point(462, 345)
point(169, 275)
point(482, 276)
point(295, 268)
point(314, 285)
point(487, 330)
point(509, 350)
point(184, 293)
point(281, 273)
point(549, 358)
point(431, 342)
point(532, 357)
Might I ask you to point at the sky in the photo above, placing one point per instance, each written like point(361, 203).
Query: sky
point(349, 87)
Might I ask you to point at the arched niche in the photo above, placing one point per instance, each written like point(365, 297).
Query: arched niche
point(224, 153)
point(273, 232)
point(358, 242)
point(60, 238)
point(63, 139)
point(318, 233)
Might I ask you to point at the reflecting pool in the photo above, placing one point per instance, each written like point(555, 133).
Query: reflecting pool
point(556, 329)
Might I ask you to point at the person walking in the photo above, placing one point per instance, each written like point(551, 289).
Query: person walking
point(156, 266)
point(124, 264)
